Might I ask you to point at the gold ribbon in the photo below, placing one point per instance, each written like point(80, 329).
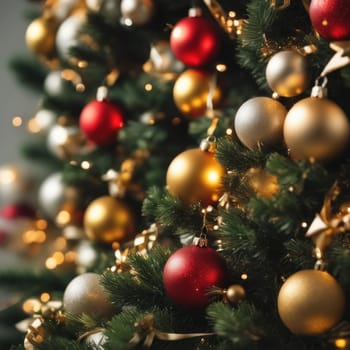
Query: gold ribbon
point(340, 59)
point(327, 224)
point(146, 333)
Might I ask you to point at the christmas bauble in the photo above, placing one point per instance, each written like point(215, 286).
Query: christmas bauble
point(100, 122)
point(85, 294)
point(195, 40)
point(17, 210)
point(136, 12)
point(56, 86)
point(61, 9)
point(195, 176)
point(65, 142)
point(287, 73)
point(316, 128)
point(44, 119)
point(51, 195)
point(189, 274)
point(331, 18)
point(109, 9)
point(310, 302)
point(234, 294)
point(259, 122)
point(68, 34)
point(108, 219)
point(191, 91)
point(40, 36)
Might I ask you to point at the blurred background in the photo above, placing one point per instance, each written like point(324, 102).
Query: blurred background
point(15, 100)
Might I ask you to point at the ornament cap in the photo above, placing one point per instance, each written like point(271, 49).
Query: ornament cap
point(208, 144)
point(102, 93)
point(319, 91)
point(195, 12)
point(200, 242)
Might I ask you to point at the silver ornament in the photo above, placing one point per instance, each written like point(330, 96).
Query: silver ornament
point(65, 141)
point(68, 35)
point(63, 8)
point(55, 85)
point(136, 12)
point(86, 255)
point(85, 294)
point(51, 195)
point(44, 119)
point(259, 122)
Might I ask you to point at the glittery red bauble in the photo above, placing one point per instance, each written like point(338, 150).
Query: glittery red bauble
point(330, 18)
point(189, 274)
point(100, 122)
point(195, 40)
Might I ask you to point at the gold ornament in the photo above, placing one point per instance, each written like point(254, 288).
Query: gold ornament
point(316, 129)
point(108, 219)
point(195, 176)
point(192, 90)
point(259, 122)
point(287, 73)
point(234, 294)
point(311, 302)
point(40, 36)
point(262, 182)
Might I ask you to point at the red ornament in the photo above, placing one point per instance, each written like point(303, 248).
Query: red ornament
point(15, 211)
point(330, 18)
point(100, 122)
point(189, 274)
point(195, 40)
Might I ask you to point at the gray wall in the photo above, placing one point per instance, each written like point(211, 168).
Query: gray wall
point(14, 98)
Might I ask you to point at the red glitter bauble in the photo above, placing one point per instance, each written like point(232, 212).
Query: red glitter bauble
point(190, 273)
point(195, 40)
point(330, 18)
point(100, 122)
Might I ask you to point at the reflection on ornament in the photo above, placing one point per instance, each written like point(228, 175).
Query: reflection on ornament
point(195, 40)
point(108, 219)
point(287, 73)
point(316, 129)
point(259, 122)
point(192, 91)
point(136, 12)
point(85, 294)
point(40, 36)
point(194, 176)
point(310, 302)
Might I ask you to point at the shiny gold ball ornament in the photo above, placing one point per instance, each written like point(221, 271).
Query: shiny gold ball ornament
point(287, 73)
point(259, 122)
point(234, 294)
point(195, 176)
point(311, 302)
point(40, 36)
point(84, 294)
point(108, 219)
point(191, 91)
point(316, 129)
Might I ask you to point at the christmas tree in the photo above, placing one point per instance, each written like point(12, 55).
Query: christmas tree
point(198, 173)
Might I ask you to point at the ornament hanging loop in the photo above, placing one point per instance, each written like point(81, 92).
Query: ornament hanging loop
point(202, 240)
point(320, 88)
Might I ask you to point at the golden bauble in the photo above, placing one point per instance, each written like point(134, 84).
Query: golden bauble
point(191, 90)
point(40, 36)
point(287, 73)
point(195, 176)
point(311, 302)
point(108, 219)
point(316, 129)
point(262, 182)
point(235, 293)
point(259, 122)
